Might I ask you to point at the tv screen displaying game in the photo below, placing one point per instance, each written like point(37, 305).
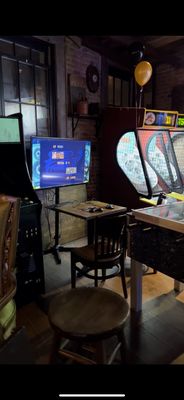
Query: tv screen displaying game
point(9, 130)
point(58, 162)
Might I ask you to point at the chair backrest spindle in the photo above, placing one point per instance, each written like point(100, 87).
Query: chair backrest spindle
point(110, 236)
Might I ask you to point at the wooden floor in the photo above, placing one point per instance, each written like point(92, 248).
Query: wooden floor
point(155, 336)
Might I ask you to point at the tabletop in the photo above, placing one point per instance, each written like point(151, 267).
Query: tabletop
point(83, 210)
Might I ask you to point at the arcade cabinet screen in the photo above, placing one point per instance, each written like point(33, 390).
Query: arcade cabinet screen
point(58, 162)
point(9, 130)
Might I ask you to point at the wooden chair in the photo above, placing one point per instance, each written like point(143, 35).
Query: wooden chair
point(9, 222)
point(107, 253)
point(85, 318)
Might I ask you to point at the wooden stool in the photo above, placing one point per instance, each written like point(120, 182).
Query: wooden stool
point(87, 315)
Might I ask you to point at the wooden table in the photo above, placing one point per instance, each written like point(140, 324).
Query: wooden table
point(156, 238)
point(82, 210)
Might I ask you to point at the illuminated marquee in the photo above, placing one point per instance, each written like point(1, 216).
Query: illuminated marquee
point(158, 118)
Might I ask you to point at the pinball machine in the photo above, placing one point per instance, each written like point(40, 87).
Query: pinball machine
point(15, 180)
point(138, 156)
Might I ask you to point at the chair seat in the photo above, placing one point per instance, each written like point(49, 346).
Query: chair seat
point(87, 253)
point(86, 312)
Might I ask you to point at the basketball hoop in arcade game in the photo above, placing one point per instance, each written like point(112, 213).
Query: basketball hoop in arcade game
point(142, 73)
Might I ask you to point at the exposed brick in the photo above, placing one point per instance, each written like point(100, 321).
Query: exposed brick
point(167, 78)
point(77, 61)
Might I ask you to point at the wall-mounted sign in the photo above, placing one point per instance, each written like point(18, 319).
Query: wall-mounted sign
point(160, 118)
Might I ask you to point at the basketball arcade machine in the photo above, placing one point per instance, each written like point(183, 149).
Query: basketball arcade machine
point(138, 160)
point(177, 137)
point(15, 181)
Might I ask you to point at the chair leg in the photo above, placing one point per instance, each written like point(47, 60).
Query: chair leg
point(103, 275)
point(121, 339)
point(100, 353)
point(73, 272)
point(96, 277)
point(55, 347)
point(123, 279)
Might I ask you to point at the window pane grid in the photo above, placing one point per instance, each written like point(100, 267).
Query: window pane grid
point(118, 92)
point(22, 52)
point(26, 88)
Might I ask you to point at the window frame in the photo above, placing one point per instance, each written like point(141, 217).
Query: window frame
point(123, 76)
point(48, 65)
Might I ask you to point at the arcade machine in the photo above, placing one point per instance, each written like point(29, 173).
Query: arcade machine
point(15, 181)
point(138, 157)
point(177, 137)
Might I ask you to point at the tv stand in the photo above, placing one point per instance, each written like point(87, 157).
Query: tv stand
point(55, 252)
point(57, 248)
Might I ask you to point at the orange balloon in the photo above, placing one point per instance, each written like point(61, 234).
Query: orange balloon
point(143, 72)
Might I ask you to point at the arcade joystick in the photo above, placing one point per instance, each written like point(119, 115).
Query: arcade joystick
point(109, 207)
point(91, 209)
point(95, 209)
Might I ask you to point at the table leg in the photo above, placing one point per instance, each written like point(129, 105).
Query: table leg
point(136, 285)
point(91, 230)
point(90, 234)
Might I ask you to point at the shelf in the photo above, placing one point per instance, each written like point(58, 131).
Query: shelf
point(95, 117)
point(84, 116)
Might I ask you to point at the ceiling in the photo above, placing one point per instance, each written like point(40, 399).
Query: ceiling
point(157, 49)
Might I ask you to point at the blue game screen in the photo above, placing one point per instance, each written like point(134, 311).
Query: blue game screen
point(58, 162)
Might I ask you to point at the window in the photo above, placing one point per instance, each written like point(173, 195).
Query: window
point(119, 88)
point(26, 83)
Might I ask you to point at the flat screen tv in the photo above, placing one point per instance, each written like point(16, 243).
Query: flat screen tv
point(58, 162)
